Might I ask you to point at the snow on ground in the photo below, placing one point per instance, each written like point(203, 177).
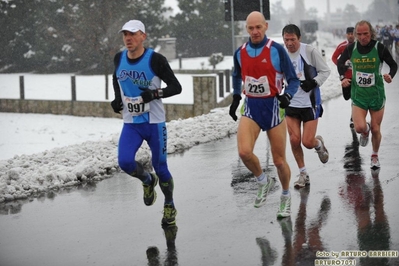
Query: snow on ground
point(49, 152)
point(27, 175)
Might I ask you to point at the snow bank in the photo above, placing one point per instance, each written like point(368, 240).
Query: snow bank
point(32, 175)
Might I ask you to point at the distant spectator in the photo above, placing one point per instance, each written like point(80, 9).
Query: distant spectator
point(378, 33)
point(396, 41)
point(387, 38)
point(396, 34)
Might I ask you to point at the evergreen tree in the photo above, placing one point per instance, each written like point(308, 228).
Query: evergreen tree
point(278, 18)
point(350, 15)
point(200, 28)
point(380, 11)
point(71, 35)
point(18, 34)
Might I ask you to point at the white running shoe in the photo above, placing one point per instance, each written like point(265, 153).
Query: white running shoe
point(303, 180)
point(375, 163)
point(364, 138)
point(285, 206)
point(322, 151)
point(263, 190)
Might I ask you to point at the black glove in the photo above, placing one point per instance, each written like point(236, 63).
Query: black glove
point(284, 99)
point(148, 95)
point(308, 85)
point(234, 106)
point(117, 105)
point(346, 92)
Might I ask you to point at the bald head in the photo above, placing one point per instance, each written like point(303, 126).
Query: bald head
point(256, 16)
point(256, 26)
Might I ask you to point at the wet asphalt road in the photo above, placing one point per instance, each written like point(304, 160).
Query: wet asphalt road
point(347, 207)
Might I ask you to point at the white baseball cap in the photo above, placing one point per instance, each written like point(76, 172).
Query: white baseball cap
point(133, 26)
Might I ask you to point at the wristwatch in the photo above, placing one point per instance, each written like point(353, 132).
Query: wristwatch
point(341, 77)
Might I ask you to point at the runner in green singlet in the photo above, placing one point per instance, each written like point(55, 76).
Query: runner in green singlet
point(367, 84)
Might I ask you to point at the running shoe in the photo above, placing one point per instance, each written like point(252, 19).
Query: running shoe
point(169, 214)
point(322, 151)
point(303, 180)
point(375, 163)
point(285, 207)
point(364, 138)
point(150, 195)
point(263, 190)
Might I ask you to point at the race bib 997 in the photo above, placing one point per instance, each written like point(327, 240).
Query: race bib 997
point(136, 106)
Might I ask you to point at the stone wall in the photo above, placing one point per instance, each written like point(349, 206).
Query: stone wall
point(204, 101)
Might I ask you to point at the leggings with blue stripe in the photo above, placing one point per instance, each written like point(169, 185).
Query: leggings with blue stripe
point(131, 138)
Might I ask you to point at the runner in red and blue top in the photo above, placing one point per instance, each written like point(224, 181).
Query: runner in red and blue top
point(260, 65)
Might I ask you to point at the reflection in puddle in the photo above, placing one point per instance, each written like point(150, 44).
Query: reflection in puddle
point(301, 245)
point(366, 199)
point(170, 259)
point(15, 206)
